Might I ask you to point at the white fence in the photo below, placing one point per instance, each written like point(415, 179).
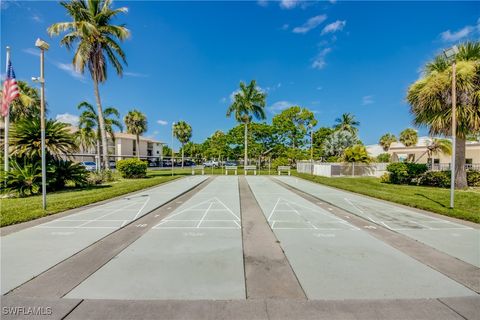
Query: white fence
point(342, 169)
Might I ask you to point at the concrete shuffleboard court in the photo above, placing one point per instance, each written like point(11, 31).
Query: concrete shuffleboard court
point(457, 240)
point(194, 253)
point(29, 252)
point(336, 260)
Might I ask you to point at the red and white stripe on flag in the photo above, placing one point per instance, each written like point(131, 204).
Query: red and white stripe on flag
point(10, 90)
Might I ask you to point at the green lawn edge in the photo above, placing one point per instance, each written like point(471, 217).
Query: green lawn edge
point(437, 200)
point(18, 210)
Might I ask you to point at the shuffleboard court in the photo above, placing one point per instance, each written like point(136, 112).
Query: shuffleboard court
point(457, 240)
point(335, 260)
point(194, 253)
point(27, 253)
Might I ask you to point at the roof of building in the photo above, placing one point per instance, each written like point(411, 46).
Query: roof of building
point(123, 135)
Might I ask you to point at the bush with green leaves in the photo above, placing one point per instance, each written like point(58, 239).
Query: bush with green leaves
point(24, 178)
point(405, 172)
point(356, 154)
point(385, 178)
point(280, 162)
point(383, 158)
point(439, 179)
point(473, 178)
point(132, 168)
point(99, 177)
point(61, 172)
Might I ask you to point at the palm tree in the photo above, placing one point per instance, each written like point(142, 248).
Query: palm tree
point(409, 137)
point(386, 141)
point(436, 146)
point(348, 123)
point(96, 40)
point(248, 102)
point(26, 142)
point(136, 123)
point(89, 125)
point(431, 101)
point(183, 132)
point(27, 105)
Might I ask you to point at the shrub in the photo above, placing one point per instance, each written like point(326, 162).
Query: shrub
point(24, 179)
point(132, 168)
point(99, 177)
point(383, 157)
point(435, 179)
point(385, 178)
point(62, 171)
point(356, 153)
point(405, 172)
point(280, 162)
point(473, 178)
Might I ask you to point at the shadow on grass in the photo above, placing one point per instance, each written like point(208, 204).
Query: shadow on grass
point(432, 200)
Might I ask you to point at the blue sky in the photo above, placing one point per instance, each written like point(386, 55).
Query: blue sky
point(186, 58)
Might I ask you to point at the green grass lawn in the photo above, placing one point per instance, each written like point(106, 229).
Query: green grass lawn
point(467, 202)
point(16, 210)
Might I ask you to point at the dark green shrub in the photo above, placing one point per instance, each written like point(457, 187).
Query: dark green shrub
point(60, 172)
point(439, 179)
point(383, 157)
point(95, 178)
point(132, 168)
point(473, 178)
point(24, 179)
point(405, 172)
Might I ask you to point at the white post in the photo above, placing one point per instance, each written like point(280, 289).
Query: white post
point(454, 133)
point(7, 123)
point(42, 125)
point(173, 124)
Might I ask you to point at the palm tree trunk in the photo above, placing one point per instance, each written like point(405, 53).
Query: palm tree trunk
point(101, 122)
point(138, 146)
point(245, 160)
point(183, 152)
point(460, 172)
point(99, 156)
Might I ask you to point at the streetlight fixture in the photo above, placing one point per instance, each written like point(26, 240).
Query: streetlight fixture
point(173, 125)
point(450, 55)
point(43, 46)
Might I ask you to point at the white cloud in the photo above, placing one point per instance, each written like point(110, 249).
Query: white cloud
point(32, 51)
point(311, 23)
point(366, 100)
point(37, 18)
point(68, 118)
point(334, 27)
point(319, 61)
point(262, 3)
point(156, 132)
point(449, 36)
point(285, 26)
point(162, 122)
point(279, 106)
point(289, 4)
point(135, 74)
point(332, 1)
point(70, 70)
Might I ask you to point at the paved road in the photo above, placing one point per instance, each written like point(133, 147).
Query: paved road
point(27, 253)
point(458, 240)
point(194, 253)
point(335, 260)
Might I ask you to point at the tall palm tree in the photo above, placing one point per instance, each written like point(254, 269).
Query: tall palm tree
point(347, 122)
point(409, 137)
point(436, 146)
point(248, 102)
point(431, 101)
point(27, 105)
point(386, 141)
point(136, 123)
point(183, 132)
point(96, 40)
point(90, 122)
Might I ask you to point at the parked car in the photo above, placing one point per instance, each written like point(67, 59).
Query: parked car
point(231, 163)
point(166, 163)
point(210, 164)
point(89, 165)
point(113, 164)
point(189, 163)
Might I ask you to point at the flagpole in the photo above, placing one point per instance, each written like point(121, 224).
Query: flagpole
point(6, 122)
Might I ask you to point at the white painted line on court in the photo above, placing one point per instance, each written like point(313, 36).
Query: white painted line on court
point(114, 211)
point(228, 209)
point(361, 211)
point(273, 210)
point(388, 227)
point(236, 223)
point(135, 218)
point(204, 215)
point(422, 225)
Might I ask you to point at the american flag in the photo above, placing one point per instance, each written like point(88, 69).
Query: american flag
point(10, 90)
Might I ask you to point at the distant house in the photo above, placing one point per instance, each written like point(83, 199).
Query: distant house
point(439, 161)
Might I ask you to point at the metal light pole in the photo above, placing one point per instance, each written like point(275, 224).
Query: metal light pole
point(450, 54)
point(311, 149)
point(6, 121)
point(42, 45)
point(173, 125)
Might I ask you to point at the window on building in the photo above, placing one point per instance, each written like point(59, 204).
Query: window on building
point(134, 147)
point(469, 161)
